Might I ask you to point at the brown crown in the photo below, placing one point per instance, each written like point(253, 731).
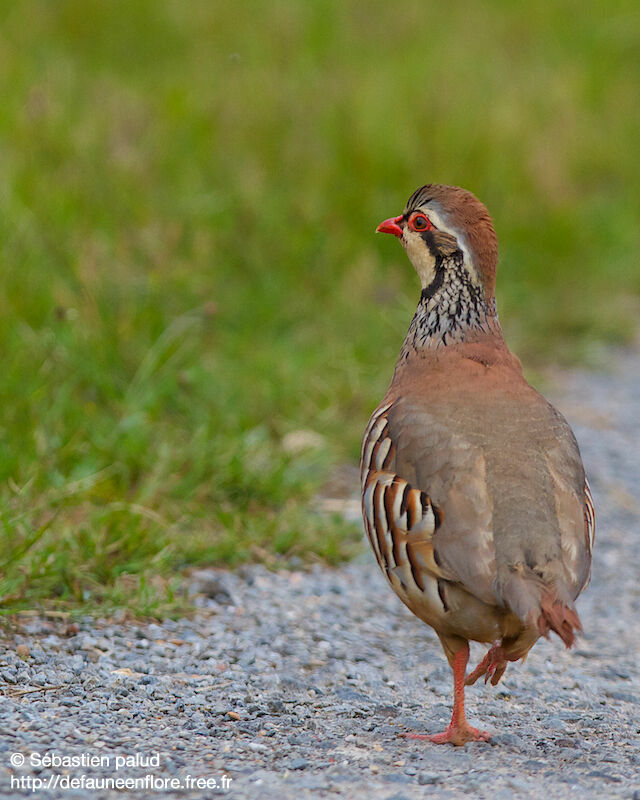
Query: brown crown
point(467, 215)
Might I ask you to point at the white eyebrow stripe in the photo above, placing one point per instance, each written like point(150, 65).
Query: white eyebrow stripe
point(437, 220)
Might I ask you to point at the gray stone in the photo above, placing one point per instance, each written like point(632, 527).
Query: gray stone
point(428, 778)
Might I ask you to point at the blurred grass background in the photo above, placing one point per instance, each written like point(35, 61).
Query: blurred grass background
point(188, 193)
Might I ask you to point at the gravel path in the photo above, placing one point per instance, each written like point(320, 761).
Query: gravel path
point(296, 685)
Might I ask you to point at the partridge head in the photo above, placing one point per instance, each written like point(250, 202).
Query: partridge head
point(474, 496)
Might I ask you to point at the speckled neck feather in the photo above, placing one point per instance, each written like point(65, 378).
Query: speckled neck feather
point(451, 310)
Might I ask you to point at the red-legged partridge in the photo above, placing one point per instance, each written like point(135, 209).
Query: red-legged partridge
point(473, 491)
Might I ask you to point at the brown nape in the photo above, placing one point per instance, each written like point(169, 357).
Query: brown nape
point(556, 616)
point(466, 214)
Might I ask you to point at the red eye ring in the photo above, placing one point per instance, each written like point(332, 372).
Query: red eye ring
point(420, 222)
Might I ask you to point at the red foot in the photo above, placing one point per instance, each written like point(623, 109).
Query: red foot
point(454, 734)
point(459, 731)
point(492, 667)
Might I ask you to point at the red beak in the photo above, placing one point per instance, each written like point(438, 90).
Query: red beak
point(391, 226)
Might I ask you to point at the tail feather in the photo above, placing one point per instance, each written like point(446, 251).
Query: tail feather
point(559, 617)
point(545, 605)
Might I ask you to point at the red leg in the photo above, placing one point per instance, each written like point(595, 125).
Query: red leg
point(459, 731)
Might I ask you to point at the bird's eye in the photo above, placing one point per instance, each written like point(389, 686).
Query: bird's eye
point(420, 222)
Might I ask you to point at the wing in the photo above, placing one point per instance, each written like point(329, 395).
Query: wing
point(574, 507)
point(451, 470)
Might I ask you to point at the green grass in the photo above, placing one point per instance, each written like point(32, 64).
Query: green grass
point(188, 195)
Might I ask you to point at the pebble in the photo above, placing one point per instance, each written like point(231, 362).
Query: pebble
point(428, 778)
